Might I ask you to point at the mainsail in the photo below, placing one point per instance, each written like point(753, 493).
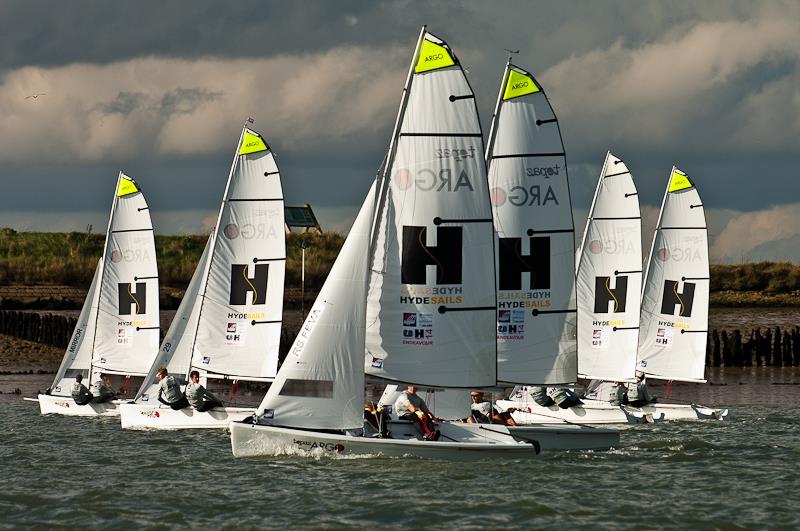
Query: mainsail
point(431, 299)
point(610, 278)
point(321, 382)
point(674, 316)
point(229, 321)
point(535, 243)
point(118, 327)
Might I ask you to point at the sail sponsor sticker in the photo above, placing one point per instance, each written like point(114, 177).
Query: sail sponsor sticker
point(511, 325)
point(124, 336)
point(417, 328)
point(664, 336)
point(377, 363)
point(600, 338)
point(235, 333)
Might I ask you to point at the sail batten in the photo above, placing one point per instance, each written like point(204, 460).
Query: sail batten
point(429, 306)
point(529, 190)
point(609, 278)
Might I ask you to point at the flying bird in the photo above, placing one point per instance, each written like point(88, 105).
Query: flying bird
point(34, 96)
point(511, 51)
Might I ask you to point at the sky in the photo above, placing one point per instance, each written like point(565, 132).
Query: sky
point(160, 90)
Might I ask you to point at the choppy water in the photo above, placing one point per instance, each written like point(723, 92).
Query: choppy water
point(700, 475)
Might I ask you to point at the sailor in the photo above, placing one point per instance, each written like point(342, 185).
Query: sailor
point(102, 390)
point(169, 391)
point(638, 394)
point(198, 397)
point(410, 406)
point(483, 412)
point(617, 394)
point(80, 393)
point(563, 397)
point(540, 396)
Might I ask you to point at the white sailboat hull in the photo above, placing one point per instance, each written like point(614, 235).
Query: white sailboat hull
point(602, 412)
point(160, 417)
point(456, 443)
point(566, 437)
point(65, 405)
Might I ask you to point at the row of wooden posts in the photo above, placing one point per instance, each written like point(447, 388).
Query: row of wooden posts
point(761, 347)
point(56, 330)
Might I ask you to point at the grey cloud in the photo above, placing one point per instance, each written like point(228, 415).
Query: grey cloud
point(186, 100)
point(124, 103)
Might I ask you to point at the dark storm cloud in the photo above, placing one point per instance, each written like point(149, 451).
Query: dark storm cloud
point(124, 103)
point(185, 100)
point(161, 87)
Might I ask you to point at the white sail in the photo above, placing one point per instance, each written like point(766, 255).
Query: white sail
point(535, 257)
point(78, 357)
point(321, 382)
point(610, 278)
point(239, 325)
point(127, 326)
point(674, 316)
point(176, 350)
point(431, 301)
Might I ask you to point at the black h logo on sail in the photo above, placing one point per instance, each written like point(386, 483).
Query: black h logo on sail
point(605, 295)
point(672, 299)
point(446, 256)
point(241, 284)
point(132, 299)
point(513, 263)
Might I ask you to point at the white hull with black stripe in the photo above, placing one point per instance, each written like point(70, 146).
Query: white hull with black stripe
point(161, 417)
point(458, 442)
point(602, 412)
point(65, 405)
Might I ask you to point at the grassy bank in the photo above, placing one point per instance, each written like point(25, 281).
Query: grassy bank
point(69, 259)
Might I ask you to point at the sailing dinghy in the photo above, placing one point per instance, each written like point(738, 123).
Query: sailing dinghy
point(535, 263)
point(607, 289)
point(118, 327)
point(228, 324)
point(407, 299)
point(674, 311)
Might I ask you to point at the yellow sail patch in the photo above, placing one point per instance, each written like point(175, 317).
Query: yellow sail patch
point(126, 186)
point(252, 143)
point(679, 181)
point(433, 56)
point(519, 84)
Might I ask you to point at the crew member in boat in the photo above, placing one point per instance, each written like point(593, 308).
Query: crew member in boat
point(560, 396)
point(638, 393)
point(483, 412)
point(169, 392)
point(197, 395)
point(410, 406)
point(102, 390)
point(80, 393)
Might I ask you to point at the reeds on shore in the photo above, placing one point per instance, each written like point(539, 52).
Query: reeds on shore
point(70, 258)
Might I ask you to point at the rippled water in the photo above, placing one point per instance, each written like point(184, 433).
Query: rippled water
point(87, 472)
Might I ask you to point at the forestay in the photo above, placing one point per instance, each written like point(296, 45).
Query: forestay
point(239, 324)
point(610, 278)
point(534, 246)
point(431, 301)
point(78, 357)
point(176, 350)
point(674, 317)
point(127, 325)
point(321, 382)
